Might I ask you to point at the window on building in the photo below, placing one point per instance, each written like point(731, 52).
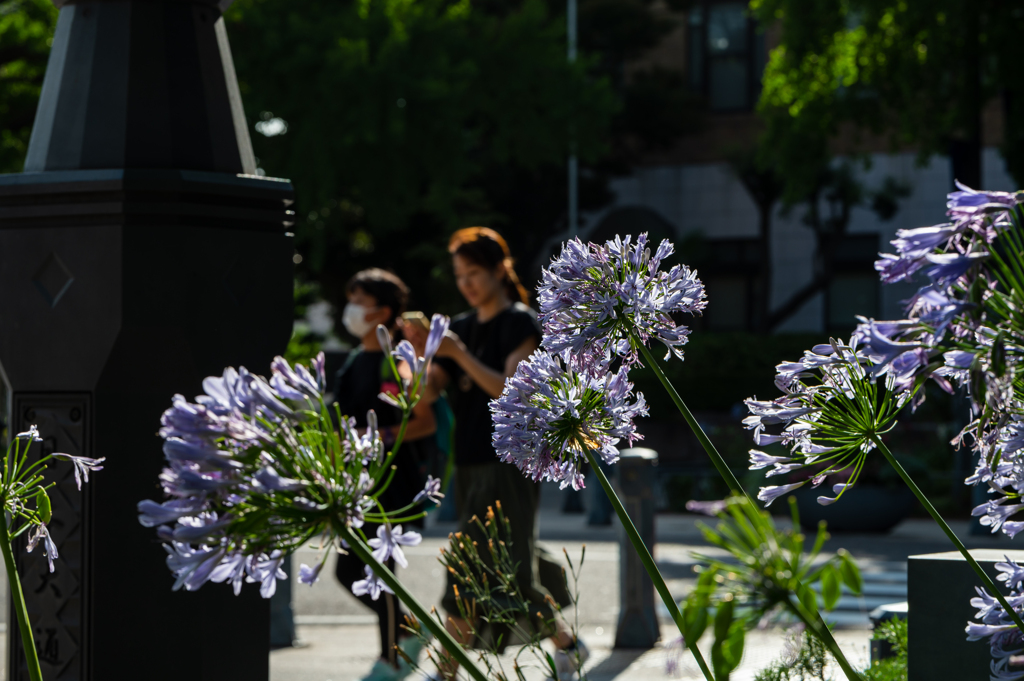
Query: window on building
point(726, 55)
point(854, 288)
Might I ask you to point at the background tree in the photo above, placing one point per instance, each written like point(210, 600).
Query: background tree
point(26, 27)
point(916, 72)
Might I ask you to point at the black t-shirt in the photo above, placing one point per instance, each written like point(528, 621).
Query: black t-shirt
point(491, 342)
point(358, 385)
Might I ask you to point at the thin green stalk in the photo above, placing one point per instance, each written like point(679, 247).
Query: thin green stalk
point(824, 634)
point(649, 565)
point(437, 629)
point(709, 447)
point(986, 580)
point(727, 475)
point(18, 601)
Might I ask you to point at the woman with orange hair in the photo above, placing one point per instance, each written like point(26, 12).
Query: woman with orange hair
point(483, 348)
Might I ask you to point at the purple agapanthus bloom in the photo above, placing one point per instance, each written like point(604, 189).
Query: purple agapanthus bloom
point(832, 410)
point(995, 624)
point(31, 434)
point(407, 353)
point(389, 542)
point(371, 585)
point(431, 491)
point(597, 301)
point(83, 465)
point(310, 575)
point(37, 533)
point(549, 415)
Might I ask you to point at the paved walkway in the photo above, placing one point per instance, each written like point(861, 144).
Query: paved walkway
point(344, 641)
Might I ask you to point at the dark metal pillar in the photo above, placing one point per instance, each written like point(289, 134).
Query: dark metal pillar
point(138, 253)
point(635, 480)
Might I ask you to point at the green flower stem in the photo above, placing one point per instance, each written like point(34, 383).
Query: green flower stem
point(985, 579)
point(18, 601)
point(436, 628)
point(649, 565)
point(818, 627)
point(709, 447)
point(733, 483)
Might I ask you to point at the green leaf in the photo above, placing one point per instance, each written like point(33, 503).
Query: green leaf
point(43, 506)
point(723, 618)
point(830, 588)
point(850, 573)
point(695, 619)
point(808, 598)
point(732, 646)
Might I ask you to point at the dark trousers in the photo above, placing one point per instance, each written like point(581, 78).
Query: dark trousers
point(390, 615)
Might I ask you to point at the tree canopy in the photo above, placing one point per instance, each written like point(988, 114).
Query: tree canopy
point(915, 72)
point(26, 28)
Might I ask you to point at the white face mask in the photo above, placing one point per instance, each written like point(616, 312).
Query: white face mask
point(354, 319)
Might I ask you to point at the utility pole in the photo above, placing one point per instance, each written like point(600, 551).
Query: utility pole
point(573, 162)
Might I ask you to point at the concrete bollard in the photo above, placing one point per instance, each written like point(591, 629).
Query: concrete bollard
point(635, 481)
point(940, 587)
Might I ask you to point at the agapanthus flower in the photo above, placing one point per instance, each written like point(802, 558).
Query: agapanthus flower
point(835, 404)
point(598, 301)
point(995, 624)
point(371, 585)
point(389, 542)
point(37, 533)
point(549, 415)
point(431, 491)
point(82, 464)
point(417, 364)
point(255, 468)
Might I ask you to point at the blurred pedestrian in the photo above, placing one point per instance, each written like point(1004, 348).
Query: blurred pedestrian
point(483, 348)
point(375, 297)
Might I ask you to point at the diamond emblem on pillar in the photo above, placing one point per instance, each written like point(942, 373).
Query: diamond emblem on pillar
point(53, 279)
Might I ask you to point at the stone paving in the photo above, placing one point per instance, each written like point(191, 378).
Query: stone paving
point(343, 638)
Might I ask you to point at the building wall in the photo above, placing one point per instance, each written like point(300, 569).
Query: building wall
point(709, 199)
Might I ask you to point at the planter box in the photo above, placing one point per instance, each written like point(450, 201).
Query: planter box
point(863, 508)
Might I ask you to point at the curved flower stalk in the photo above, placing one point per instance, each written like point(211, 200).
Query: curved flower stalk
point(599, 301)
point(995, 623)
point(256, 469)
point(548, 416)
point(771, 575)
point(26, 507)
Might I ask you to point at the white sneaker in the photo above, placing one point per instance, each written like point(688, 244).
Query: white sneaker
point(569, 662)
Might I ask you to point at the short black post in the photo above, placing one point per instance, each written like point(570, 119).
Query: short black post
point(139, 253)
point(635, 481)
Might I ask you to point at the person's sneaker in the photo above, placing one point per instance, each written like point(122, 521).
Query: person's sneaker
point(569, 661)
point(411, 647)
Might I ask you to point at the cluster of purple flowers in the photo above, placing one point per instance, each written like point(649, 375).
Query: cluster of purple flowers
point(256, 469)
point(962, 330)
point(994, 624)
point(831, 410)
point(549, 415)
point(598, 301)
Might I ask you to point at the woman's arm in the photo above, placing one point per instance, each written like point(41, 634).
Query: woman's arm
point(489, 380)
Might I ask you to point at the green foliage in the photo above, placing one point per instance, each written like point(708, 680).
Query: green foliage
point(396, 110)
point(892, 668)
point(488, 592)
point(917, 73)
point(26, 29)
point(767, 575)
point(803, 660)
